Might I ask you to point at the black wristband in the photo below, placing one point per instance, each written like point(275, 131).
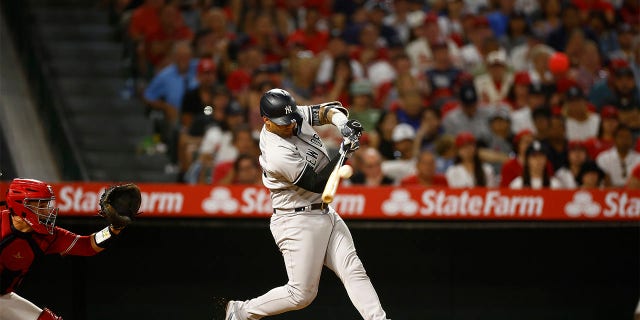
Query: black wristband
point(104, 237)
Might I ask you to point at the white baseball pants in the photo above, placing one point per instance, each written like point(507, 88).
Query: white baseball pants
point(15, 307)
point(307, 242)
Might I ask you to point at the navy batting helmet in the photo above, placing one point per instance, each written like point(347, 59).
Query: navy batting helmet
point(279, 107)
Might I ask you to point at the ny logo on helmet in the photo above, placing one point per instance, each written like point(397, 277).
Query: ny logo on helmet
point(287, 109)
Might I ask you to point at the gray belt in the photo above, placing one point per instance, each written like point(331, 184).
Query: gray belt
point(312, 207)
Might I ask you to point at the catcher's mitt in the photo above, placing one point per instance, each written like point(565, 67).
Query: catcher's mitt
point(119, 204)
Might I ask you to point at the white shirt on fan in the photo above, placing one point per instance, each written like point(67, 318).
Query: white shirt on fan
point(611, 164)
point(458, 176)
point(536, 183)
point(582, 130)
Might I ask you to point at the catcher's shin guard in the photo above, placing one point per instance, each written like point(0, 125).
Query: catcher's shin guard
point(48, 315)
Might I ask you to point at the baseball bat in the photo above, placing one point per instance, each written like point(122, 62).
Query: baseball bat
point(332, 183)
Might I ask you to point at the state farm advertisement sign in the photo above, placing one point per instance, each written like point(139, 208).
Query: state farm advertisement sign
point(183, 201)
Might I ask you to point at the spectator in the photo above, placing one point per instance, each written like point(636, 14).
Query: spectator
point(426, 175)
point(382, 139)
point(468, 171)
point(548, 18)
point(217, 146)
point(517, 33)
point(398, 19)
point(221, 36)
point(451, 23)
point(469, 116)
point(404, 161)
point(337, 88)
point(581, 123)
point(534, 171)
point(145, 19)
point(246, 171)
point(301, 79)
point(442, 76)
point(589, 69)
point(493, 86)
point(238, 80)
point(194, 100)
point(370, 173)
point(192, 132)
point(577, 156)
point(390, 92)
point(556, 142)
point(541, 116)
point(522, 118)
point(558, 38)
point(361, 105)
point(472, 53)
point(281, 21)
point(605, 32)
point(419, 50)
point(518, 96)
point(446, 152)
point(618, 161)
point(429, 131)
point(604, 140)
point(243, 144)
point(410, 108)
point(159, 42)
point(310, 36)
point(167, 88)
point(264, 36)
point(538, 63)
point(634, 180)
point(499, 141)
point(373, 56)
point(625, 41)
point(376, 15)
point(621, 91)
point(590, 176)
point(513, 167)
point(336, 47)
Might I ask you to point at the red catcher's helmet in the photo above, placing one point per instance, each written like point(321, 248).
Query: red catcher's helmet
point(33, 201)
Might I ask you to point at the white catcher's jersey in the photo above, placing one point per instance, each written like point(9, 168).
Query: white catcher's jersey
point(283, 161)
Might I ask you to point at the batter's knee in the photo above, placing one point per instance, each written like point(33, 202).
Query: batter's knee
point(302, 297)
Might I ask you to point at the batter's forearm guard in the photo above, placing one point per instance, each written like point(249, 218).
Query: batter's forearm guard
point(315, 182)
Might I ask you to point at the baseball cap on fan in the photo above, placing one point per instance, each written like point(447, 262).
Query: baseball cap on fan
point(206, 65)
point(403, 131)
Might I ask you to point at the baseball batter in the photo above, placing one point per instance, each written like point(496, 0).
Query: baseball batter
point(309, 233)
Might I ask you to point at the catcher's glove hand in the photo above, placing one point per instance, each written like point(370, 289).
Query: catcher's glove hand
point(119, 204)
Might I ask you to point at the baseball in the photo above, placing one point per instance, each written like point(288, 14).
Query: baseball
point(345, 171)
point(208, 110)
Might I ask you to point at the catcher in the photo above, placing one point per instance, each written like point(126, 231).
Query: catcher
point(28, 232)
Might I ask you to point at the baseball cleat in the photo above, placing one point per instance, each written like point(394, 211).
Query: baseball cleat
point(220, 308)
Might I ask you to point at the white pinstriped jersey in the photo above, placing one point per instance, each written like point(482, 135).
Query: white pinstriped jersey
point(283, 161)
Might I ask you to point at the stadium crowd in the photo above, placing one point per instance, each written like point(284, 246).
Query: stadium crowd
point(458, 93)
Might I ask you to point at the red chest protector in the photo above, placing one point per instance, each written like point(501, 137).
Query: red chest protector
point(18, 251)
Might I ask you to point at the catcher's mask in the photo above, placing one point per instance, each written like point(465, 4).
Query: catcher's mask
point(33, 200)
point(279, 107)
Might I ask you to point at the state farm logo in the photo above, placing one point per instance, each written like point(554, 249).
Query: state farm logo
point(77, 199)
point(220, 200)
point(400, 202)
point(250, 201)
point(616, 205)
point(433, 203)
point(582, 204)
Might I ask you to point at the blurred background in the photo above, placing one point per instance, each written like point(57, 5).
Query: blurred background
point(510, 94)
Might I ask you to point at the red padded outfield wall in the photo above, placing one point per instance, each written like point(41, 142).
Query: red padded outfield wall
point(206, 201)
